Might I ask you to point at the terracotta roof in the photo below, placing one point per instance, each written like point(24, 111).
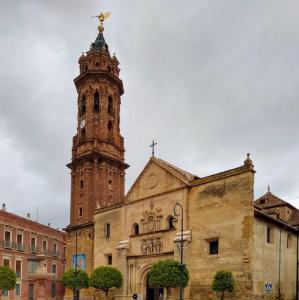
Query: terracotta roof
point(179, 172)
point(269, 200)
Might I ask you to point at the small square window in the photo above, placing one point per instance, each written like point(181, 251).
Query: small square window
point(109, 259)
point(214, 245)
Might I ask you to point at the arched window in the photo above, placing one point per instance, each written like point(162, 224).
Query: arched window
point(109, 69)
point(80, 211)
point(83, 105)
point(170, 221)
point(83, 134)
point(110, 105)
point(135, 229)
point(81, 184)
point(96, 102)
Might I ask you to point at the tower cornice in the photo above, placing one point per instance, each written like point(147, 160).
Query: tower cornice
point(96, 155)
point(99, 73)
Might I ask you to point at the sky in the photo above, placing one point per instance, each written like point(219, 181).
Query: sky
point(209, 80)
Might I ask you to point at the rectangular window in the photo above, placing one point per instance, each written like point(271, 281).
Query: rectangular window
point(54, 268)
point(109, 259)
point(213, 247)
point(32, 265)
point(5, 293)
point(33, 245)
point(289, 241)
point(19, 241)
point(270, 235)
point(6, 262)
point(53, 290)
point(7, 241)
point(18, 268)
point(45, 245)
point(107, 230)
point(18, 289)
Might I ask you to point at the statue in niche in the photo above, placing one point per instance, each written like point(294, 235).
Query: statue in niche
point(158, 245)
point(151, 223)
point(144, 247)
point(150, 246)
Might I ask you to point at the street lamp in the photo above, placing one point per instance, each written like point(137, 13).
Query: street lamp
point(76, 290)
point(182, 266)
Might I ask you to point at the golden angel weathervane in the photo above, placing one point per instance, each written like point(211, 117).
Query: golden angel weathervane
point(102, 17)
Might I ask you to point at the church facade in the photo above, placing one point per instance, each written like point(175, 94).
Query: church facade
point(223, 227)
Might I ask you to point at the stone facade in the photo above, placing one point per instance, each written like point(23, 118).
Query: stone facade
point(224, 228)
point(36, 253)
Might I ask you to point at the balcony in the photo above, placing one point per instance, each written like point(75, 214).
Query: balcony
point(44, 251)
point(33, 249)
point(20, 247)
point(8, 244)
point(55, 253)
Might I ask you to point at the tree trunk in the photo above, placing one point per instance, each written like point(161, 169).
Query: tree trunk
point(222, 296)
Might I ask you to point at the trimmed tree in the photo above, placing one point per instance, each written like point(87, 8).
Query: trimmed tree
point(76, 283)
point(167, 274)
point(104, 278)
point(223, 282)
point(8, 279)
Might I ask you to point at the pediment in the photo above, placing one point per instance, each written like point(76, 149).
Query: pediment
point(156, 178)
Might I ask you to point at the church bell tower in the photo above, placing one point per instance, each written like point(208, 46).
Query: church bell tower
point(97, 165)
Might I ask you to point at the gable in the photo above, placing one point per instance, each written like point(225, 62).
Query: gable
point(154, 180)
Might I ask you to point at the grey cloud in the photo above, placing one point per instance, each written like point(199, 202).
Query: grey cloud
point(209, 80)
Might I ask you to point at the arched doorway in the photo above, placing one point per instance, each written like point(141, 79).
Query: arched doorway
point(153, 293)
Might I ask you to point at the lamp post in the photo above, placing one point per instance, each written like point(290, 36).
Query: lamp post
point(176, 206)
point(75, 291)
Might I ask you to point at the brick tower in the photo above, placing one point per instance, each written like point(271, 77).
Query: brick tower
point(97, 166)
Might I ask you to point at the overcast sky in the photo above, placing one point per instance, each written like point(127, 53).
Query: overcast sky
point(208, 80)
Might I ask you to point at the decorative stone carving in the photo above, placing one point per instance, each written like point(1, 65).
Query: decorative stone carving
point(152, 181)
point(122, 247)
point(151, 245)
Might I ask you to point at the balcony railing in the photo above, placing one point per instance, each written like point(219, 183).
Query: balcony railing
point(55, 253)
point(33, 249)
point(44, 251)
point(8, 244)
point(20, 247)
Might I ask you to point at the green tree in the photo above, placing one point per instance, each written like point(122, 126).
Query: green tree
point(8, 279)
point(223, 282)
point(167, 274)
point(73, 282)
point(104, 278)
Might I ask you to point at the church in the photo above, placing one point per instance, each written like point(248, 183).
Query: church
point(223, 226)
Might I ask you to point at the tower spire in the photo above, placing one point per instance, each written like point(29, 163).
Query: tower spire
point(100, 44)
point(102, 17)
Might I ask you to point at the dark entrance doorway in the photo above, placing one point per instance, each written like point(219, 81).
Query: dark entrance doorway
point(153, 293)
point(30, 293)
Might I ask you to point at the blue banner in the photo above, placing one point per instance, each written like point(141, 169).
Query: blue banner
point(80, 261)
